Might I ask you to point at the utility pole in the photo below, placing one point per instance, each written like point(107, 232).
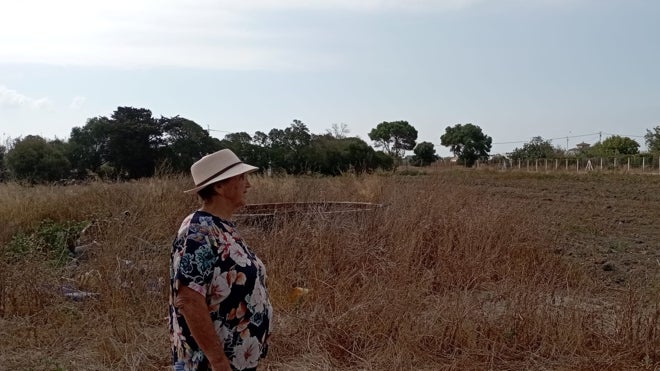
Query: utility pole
point(600, 136)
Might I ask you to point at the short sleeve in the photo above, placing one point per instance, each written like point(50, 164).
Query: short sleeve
point(197, 257)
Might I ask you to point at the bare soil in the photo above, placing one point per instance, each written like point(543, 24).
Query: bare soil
point(605, 222)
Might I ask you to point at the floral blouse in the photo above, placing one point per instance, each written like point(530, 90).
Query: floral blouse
point(210, 257)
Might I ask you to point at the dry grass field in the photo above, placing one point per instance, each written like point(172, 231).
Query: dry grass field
point(462, 270)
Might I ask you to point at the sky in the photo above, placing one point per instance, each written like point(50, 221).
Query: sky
point(569, 71)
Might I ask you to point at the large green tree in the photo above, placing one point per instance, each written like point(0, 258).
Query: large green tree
point(424, 154)
point(88, 146)
point(467, 142)
point(615, 145)
point(330, 155)
point(394, 137)
point(35, 159)
point(184, 142)
point(128, 142)
point(240, 143)
point(653, 139)
point(253, 150)
point(132, 144)
point(287, 148)
point(536, 148)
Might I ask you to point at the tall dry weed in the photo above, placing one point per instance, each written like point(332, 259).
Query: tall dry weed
point(445, 276)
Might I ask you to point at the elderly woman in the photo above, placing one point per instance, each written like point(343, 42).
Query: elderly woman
point(219, 311)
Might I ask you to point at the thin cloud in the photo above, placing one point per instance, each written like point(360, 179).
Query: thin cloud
point(166, 33)
point(12, 98)
point(215, 34)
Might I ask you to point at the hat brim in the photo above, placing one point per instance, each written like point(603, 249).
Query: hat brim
point(237, 170)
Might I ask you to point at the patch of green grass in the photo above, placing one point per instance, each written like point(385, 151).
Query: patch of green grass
point(49, 238)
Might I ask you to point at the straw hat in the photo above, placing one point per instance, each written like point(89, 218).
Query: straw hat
point(217, 166)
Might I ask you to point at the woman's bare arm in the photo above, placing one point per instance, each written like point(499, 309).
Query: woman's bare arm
point(194, 309)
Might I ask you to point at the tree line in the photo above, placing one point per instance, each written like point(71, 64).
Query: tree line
point(613, 146)
point(132, 144)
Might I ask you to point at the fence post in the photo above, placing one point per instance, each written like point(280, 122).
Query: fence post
point(536, 165)
point(643, 164)
point(577, 165)
point(628, 163)
point(601, 164)
point(546, 165)
point(567, 164)
point(557, 164)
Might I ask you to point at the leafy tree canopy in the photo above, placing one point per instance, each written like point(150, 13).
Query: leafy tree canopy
point(35, 160)
point(536, 148)
point(424, 154)
point(132, 144)
point(394, 137)
point(184, 142)
point(88, 146)
point(467, 142)
point(127, 142)
point(653, 139)
point(615, 145)
point(294, 150)
point(287, 148)
point(330, 155)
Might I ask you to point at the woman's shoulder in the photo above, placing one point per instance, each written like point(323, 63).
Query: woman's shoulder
point(202, 219)
point(194, 220)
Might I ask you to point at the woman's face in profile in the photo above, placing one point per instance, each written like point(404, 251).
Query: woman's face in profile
point(235, 189)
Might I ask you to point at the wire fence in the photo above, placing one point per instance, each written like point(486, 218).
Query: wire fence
point(624, 164)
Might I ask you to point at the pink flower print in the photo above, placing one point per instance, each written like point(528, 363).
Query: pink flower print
point(247, 354)
point(243, 325)
point(237, 254)
point(237, 312)
point(241, 278)
point(220, 287)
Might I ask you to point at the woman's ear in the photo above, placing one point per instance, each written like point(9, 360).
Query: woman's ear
point(217, 187)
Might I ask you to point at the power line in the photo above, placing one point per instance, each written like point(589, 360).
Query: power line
point(551, 139)
point(515, 142)
point(621, 135)
point(208, 128)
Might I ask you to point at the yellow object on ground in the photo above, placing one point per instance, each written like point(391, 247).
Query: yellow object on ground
point(296, 293)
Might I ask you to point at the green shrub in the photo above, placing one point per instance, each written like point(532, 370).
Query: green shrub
point(52, 239)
